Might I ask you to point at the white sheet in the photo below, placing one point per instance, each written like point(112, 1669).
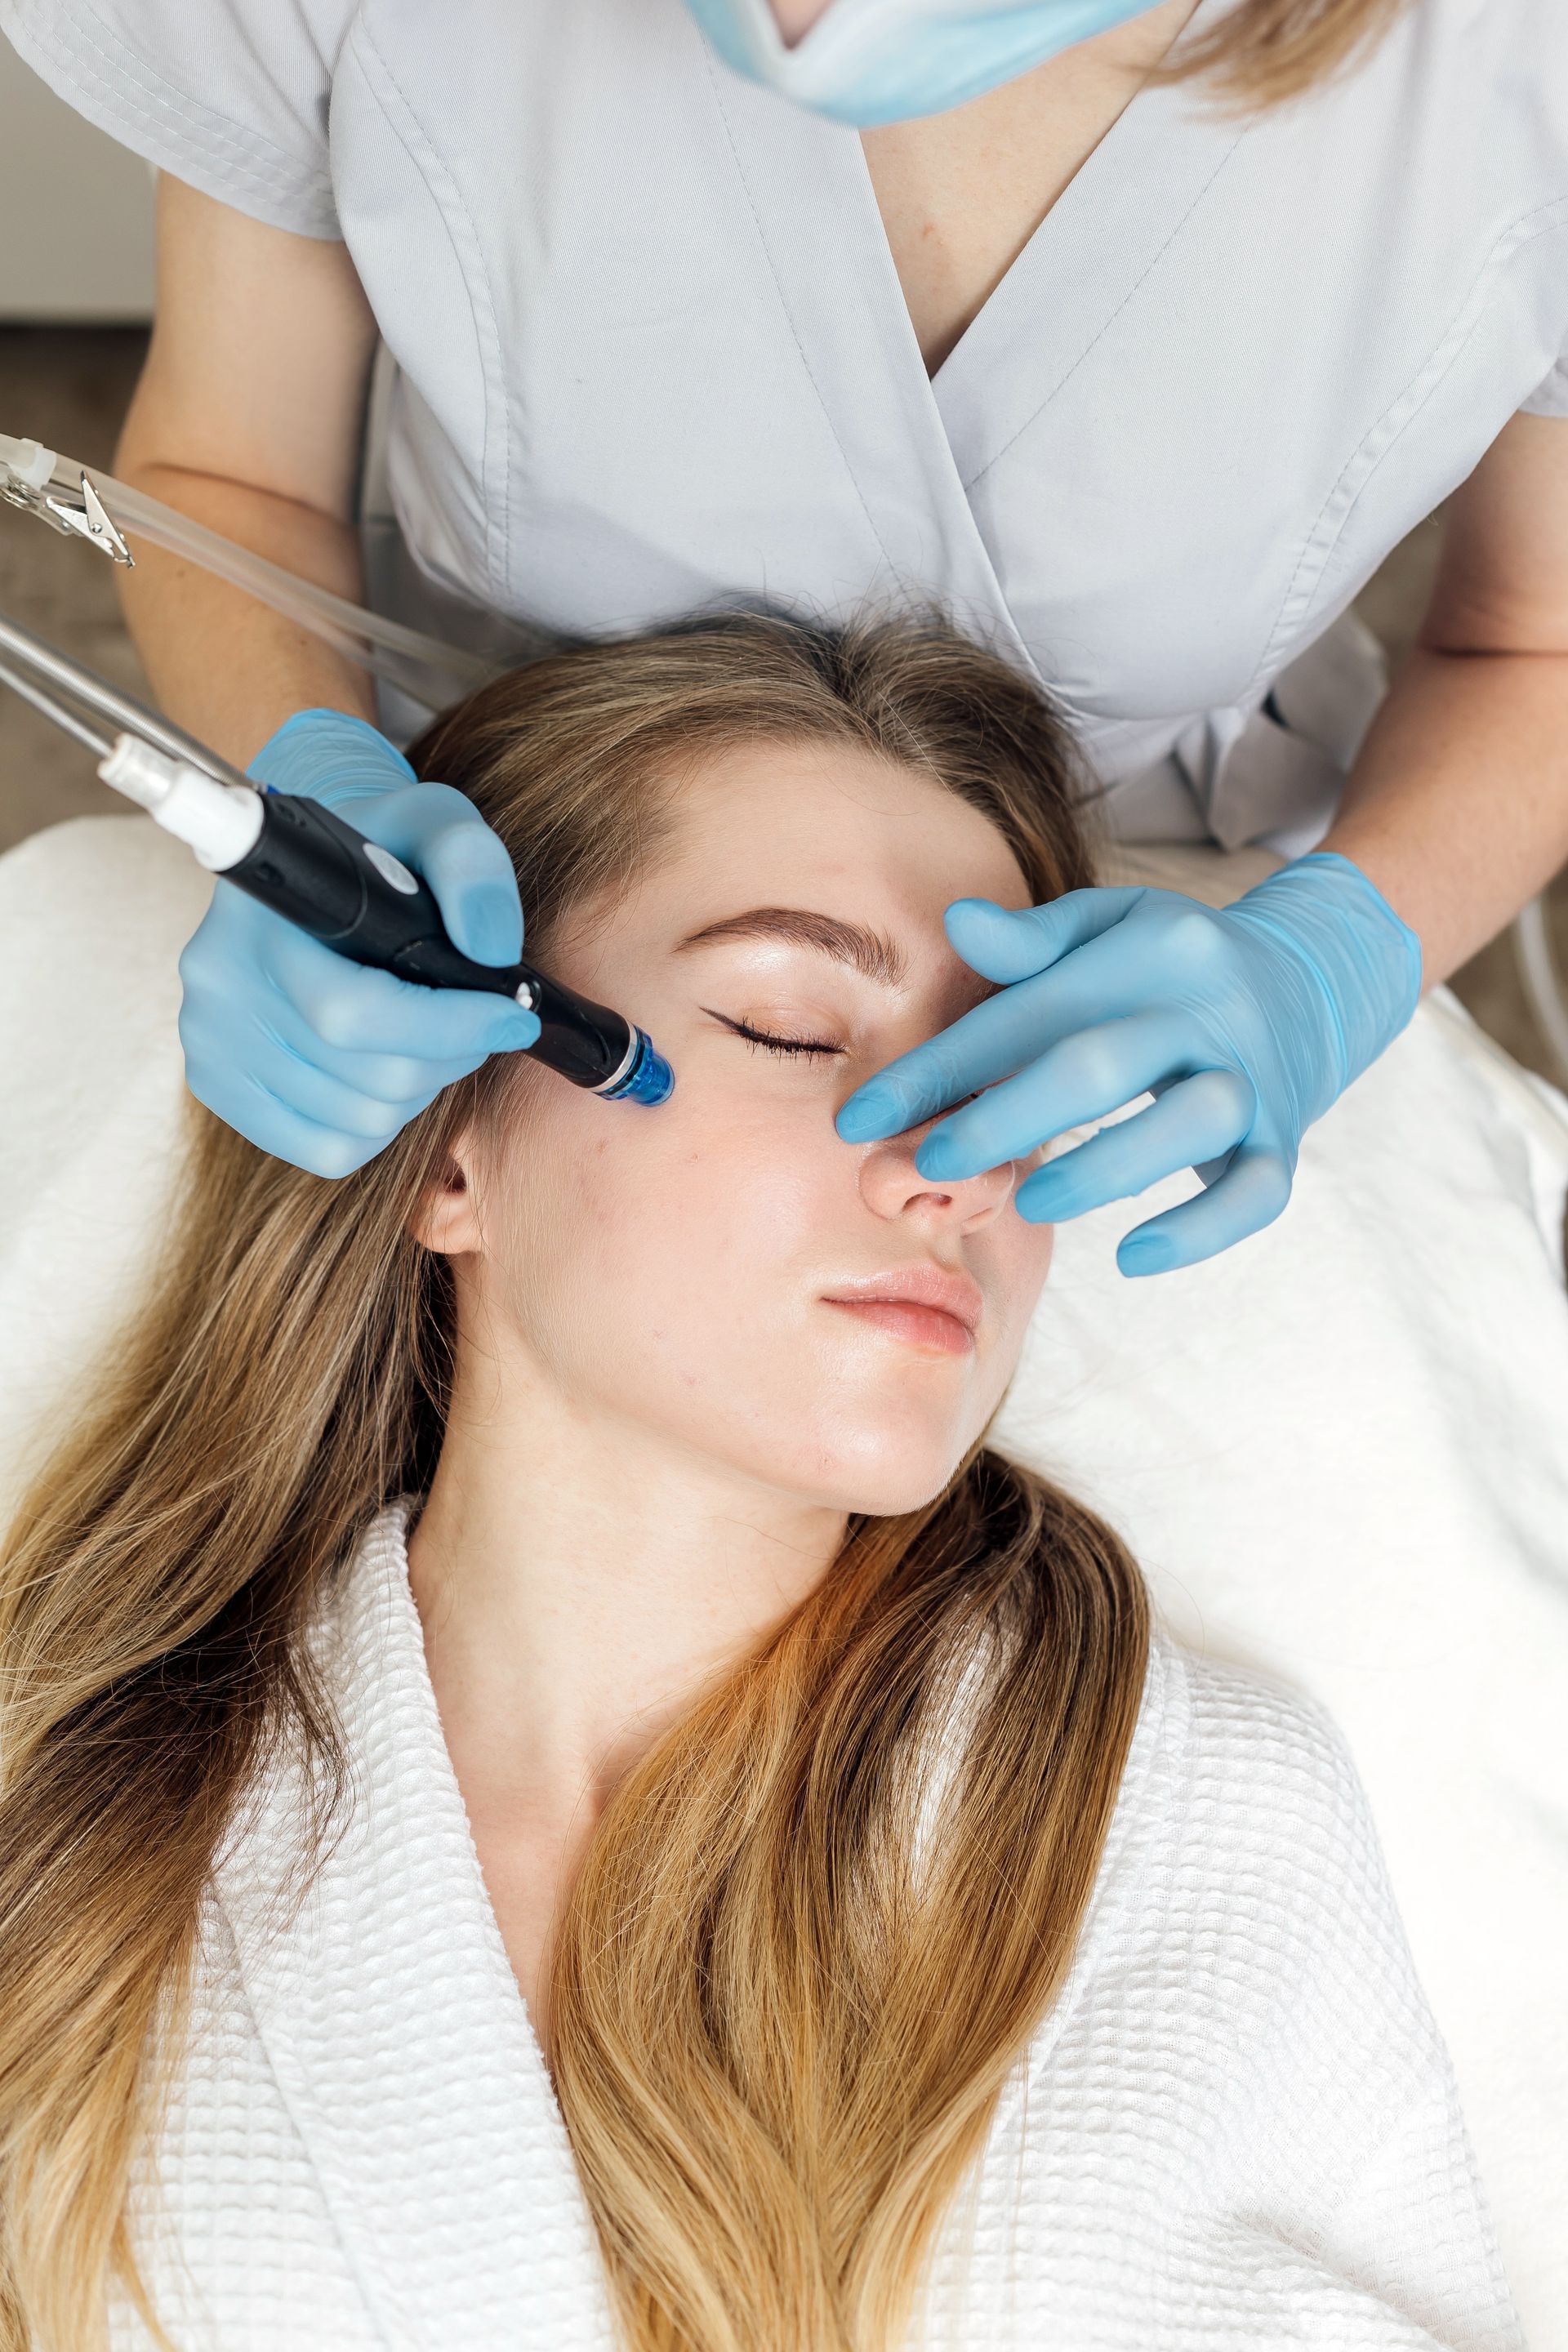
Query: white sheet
point(1341, 1452)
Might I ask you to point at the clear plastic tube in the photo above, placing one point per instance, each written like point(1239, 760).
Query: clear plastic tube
point(431, 672)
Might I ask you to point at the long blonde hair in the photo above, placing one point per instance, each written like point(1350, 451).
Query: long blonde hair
point(780, 2017)
point(1263, 52)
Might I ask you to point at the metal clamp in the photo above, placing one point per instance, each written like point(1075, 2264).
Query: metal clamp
point(26, 471)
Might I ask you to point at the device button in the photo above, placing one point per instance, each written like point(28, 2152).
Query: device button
point(391, 869)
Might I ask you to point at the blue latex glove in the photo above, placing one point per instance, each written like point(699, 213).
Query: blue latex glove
point(1245, 1025)
point(319, 1060)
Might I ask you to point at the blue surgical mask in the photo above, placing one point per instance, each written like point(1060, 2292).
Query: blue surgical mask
point(870, 61)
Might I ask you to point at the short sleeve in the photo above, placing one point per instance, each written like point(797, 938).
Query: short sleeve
point(1551, 398)
point(230, 96)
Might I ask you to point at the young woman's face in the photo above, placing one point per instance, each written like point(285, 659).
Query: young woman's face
point(722, 1272)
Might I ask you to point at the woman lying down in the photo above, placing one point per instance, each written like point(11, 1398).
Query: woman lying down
point(557, 1796)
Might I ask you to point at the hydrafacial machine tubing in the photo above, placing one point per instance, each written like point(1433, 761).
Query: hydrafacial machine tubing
point(431, 672)
point(288, 851)
point(106, 513)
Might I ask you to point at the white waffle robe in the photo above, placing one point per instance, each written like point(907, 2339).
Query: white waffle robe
point(1236, 2129)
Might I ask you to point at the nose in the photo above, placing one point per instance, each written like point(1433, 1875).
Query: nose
point(892, 1186)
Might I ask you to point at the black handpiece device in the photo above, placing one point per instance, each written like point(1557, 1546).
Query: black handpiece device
point(302, 861)
point(359, 899)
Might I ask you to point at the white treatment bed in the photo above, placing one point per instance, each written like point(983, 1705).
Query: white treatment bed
point(1340, 1451)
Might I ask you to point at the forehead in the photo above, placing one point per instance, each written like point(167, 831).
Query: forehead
point(824, 826)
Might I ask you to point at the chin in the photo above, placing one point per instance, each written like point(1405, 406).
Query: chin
point(891, 1497)
point(879, 1478)
point(899, 1490)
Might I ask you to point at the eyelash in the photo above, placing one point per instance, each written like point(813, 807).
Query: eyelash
point(768, 1043)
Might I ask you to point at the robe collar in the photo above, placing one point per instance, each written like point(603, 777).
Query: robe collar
point(394, 2026)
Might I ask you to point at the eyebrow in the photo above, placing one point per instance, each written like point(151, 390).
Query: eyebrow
point(864, 951)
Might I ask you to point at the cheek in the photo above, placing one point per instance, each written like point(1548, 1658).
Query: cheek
point(667, 1266)
point(1019, 1261)
point(665, 1249)
point(1023, 1256)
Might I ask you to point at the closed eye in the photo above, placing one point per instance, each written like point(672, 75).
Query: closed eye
point(768, 1041)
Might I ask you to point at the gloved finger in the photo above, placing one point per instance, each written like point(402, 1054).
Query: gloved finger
point(275, 1126)
point(1198, 1119)
point(310, 1091)
point(974, 1051)
point(1097, 983)
point(359, 1009)
point(393, 1079)
point(1008, 945)
point(438, 832)
point(1248, 1196)
point(1083, 1077)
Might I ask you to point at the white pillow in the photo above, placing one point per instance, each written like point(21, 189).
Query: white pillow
point(1339, 1450)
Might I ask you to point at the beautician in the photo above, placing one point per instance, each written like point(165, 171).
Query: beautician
point(1135, 332)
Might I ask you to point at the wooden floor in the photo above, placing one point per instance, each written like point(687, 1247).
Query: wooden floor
point(69, 387)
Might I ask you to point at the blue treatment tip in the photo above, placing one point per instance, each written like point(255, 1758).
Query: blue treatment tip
point(650, 1078)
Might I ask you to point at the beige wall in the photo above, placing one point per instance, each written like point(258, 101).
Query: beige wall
point(75, 212)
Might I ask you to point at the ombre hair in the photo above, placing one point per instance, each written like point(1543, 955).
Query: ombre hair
point(1263, 52)
point(779, 2021)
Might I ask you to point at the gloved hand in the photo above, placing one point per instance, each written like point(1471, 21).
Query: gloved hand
point(319, 1060)
point(1245, 1025)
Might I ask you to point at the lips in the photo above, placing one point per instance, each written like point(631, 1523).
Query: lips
point(928, 1307)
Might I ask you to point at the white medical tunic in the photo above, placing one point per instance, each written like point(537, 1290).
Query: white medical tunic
point(652, 351)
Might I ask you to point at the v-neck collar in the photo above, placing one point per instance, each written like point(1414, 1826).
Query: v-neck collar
point(1123, 209)
point(395, 2027)
point(822, 243)
point(916, 446)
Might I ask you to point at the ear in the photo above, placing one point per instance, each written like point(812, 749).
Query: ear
point(447, 1220)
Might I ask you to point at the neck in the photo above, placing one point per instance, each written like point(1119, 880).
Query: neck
point(578, 1581)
